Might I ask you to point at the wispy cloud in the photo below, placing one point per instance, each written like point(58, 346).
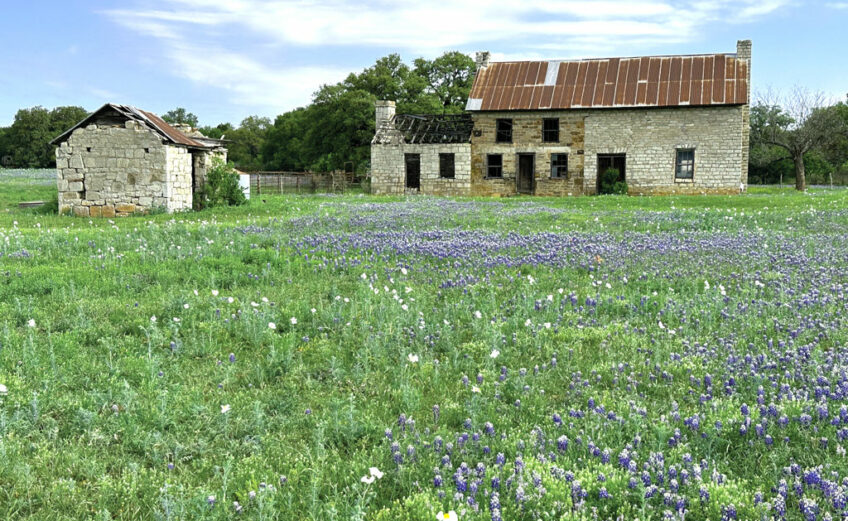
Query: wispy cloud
point(191, 33)
point(838, 5)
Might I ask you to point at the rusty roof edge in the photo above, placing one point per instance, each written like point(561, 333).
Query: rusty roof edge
point(164, 132)
point(616, 107)
point(136, 114)
point(600, 58)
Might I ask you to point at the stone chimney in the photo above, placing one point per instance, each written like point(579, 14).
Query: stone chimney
point(385, 110)
point(743, 52)
point(743, 49)
point(482, 59)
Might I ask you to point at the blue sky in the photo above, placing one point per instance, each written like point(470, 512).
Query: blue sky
point(227, 59)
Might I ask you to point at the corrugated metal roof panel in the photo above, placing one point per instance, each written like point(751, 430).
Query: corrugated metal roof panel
point(149, 119)
point(653, 81)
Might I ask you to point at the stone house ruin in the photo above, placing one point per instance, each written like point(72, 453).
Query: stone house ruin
point(122, 160)
point(427, 153)
point(668, 124)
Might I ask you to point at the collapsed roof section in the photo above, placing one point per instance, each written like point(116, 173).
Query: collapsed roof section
point(425, 129)
point(148, 119)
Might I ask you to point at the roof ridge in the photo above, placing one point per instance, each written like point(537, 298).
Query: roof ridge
point(566, 60)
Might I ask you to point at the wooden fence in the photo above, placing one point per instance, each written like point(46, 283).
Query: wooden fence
point(299, 182)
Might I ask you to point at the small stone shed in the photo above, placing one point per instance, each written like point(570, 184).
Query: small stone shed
point(122, 160)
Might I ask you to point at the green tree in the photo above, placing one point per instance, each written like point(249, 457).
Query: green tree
point(218, 131)
point(449, 78)
point(283, 147)
point(63, 118)
point(4, 154)
point(338, 126)
point(245, 143)
point(341, 129)
point(27, 141)
point(180, 116)
point(803, 122)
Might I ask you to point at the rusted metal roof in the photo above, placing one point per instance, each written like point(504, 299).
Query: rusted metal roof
point(650, 81)
point(149, 119)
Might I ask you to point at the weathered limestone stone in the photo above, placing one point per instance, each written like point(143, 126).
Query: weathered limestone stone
point(126, 169)
point(81, 211)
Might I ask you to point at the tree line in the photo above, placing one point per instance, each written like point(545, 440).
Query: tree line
point(333, 132)
point(800, 137)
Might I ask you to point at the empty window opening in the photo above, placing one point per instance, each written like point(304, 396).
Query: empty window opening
point(447, 168)
point(494, 165)
point(88, 149)
point(550, 130)
point(685, 163)
point(559, 166)
point(503, 132)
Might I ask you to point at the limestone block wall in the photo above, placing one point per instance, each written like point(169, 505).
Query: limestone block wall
point(111, 170)
point(388, 168)
point(527, 139)
point(178, 188)
point(203, 162)
point(650, 137)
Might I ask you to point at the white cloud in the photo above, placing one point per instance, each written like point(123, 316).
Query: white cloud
point(838, 5)
point(249, 81)
point(198, 41)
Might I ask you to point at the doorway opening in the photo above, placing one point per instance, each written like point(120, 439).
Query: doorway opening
point(608, 161)
point(526, 173)
point(413, 171)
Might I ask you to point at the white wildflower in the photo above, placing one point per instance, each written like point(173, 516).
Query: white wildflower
point(225, 409)
point(413, 359)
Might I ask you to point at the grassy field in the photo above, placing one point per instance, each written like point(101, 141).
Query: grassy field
point(519, 359)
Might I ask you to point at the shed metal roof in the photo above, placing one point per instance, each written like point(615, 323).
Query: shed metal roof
point(649, 81)
point(149, 119)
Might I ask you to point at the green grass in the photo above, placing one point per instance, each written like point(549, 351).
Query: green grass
point(101, 398)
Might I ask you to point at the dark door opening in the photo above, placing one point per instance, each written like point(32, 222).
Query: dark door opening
point(607, 161)
point(413, 171)
point(526, 173)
